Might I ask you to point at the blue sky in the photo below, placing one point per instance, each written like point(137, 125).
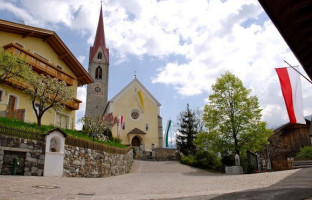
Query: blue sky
point(177, 48)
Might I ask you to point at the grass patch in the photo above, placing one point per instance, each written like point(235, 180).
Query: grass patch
point(32, 127)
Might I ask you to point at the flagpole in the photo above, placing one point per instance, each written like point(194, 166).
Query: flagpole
point(298, 71)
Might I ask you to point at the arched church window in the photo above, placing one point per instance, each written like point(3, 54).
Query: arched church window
point(100, 55)
point(98, 73)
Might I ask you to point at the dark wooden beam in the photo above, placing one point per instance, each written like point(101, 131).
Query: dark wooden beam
point(301, 5)
point(28, 34)
point(48, 38)
point(80, 78)
point(63, 56)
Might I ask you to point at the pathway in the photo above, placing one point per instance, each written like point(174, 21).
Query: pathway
point(150, 180)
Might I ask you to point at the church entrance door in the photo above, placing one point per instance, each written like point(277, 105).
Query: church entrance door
point(136, 141)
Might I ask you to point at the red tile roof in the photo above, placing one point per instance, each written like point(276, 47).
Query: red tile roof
point(99, 40)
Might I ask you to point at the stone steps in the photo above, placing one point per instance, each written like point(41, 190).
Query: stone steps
point(302, 164)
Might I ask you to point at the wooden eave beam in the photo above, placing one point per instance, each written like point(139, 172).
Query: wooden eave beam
point(301, 5)
point(63, 56)
point(28, 34)
point(80, 78)
point(48, 38)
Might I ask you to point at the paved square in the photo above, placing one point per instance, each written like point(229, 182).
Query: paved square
point(158, 180)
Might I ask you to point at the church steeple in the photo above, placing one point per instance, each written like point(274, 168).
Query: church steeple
point(97, 92)
point(99, 40)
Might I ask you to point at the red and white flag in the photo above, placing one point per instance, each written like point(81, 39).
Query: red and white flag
point(292, 92)
point(120, 125)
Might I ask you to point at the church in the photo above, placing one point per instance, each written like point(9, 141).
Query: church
point(140, 123)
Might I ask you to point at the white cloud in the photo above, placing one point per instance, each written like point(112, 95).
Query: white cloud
point(81, 95)
point(81, 58)
point(213, 36)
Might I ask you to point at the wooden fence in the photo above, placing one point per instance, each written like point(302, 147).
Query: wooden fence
point(94, 145)
point(15, 132)
point(70, 140)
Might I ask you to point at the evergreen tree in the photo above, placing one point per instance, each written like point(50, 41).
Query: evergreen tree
point(187, 131)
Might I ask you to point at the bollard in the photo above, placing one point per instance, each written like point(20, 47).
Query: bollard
point(14, 165)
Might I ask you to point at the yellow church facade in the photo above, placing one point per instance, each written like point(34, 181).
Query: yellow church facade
point(46, 53)
point(141, 124)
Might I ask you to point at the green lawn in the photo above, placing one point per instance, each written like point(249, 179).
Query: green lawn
point(23, 126)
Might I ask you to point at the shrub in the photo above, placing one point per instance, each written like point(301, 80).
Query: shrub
point(134, 152)
point(188, 160)
point(305, 153)
point(116, 140)
point(204, 160)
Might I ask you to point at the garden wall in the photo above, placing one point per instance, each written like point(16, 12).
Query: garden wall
point(166, 154)
point(82, 162)
point(78, 161)
point(30, 155)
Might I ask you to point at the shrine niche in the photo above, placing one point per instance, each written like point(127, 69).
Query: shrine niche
point(54, 152)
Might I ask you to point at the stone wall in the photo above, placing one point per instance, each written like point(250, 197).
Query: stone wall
point(81, 162)
point(164, 154)
point(78, 162)
point(30, 154)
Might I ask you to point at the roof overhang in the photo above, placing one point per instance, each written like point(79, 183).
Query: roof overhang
point(56, 44)
point(136, 131)
point(293, 19)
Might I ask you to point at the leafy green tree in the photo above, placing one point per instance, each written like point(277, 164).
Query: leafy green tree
point(12, 66)
point(45, 93)
point(187, 131)
point(232, 118)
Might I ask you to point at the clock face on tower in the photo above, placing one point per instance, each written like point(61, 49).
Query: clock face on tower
point(97, 89)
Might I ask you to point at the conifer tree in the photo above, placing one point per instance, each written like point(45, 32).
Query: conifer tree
point(187, 131)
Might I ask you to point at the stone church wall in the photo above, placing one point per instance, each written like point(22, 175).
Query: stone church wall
point(81, 162)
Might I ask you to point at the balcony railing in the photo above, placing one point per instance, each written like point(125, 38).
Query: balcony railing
point(74, 104)
point(40, 65)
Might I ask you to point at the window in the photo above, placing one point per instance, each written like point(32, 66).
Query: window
point(100, 56)
point(62, 120)
point(19, 44)
point(123, 125)
point(98, 73)
point(42, 57)
point(12, 103)
point(1, 95)
point(59, 67)
point(135, 114)
point(146, 127)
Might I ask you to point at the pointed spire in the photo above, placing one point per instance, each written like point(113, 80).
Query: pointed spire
point(99, 40)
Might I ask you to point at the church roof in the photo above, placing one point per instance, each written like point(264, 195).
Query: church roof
point(136, 131)
point(51, 38)
point(135, 80)
point(99, 40)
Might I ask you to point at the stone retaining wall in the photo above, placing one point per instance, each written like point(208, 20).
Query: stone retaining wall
point(164, 154)
point(30, 154)
point(81, 162)
point(78, 162)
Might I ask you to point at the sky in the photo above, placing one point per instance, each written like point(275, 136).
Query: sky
point(177, 48)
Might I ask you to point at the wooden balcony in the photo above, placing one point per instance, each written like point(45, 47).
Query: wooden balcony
point(40, 65)
point(73, 105)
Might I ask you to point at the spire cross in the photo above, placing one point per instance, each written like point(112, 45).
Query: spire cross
point(134, 74)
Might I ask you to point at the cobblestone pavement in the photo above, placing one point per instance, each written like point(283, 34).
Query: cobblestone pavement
point(155, 180)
